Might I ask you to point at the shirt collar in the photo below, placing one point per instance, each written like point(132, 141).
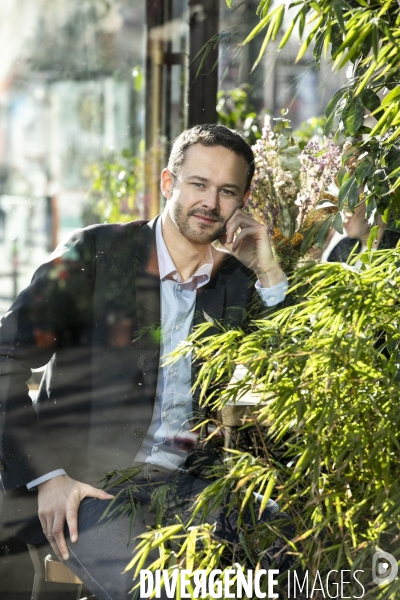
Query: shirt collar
point(167, 266)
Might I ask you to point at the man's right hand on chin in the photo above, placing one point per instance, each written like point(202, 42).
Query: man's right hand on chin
point(59, 499)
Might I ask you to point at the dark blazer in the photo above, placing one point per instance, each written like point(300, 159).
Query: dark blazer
point(92, 314)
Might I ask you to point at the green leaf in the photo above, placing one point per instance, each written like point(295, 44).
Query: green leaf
point(375, 41)
point(364, 169)
point(370, 206)
point(370, 99)
point(324, 203)
point(392, 96)
point(334, 101)
point(319, 44)
point(393, 159)
point(380, 183)
point(395, 204)
point(323, 232)
point(337, 222)
point(263, 7)
point(355, 50)
point(342, 175)
point(288, 33)
point(267, 494)
point(372, 236)
point(302, 21)
point(308, 40)
point(363, 130)
point(329, 124)
point(309, 237)
point(275, 18)
point(278, 21)
point(366, 44)
point(352, 116)
point(229, 3)
point(256, 30)
point(336, 39)
point(337, 9)
point(349, 192)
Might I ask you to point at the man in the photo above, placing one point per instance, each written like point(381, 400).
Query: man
point(92, 314)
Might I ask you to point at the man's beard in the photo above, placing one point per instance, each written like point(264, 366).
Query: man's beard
point(201, 236)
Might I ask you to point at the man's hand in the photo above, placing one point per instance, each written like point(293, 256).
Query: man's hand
point(252, 247)
point(59, 500)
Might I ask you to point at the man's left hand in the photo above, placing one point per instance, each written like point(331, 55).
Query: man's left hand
point(252, 247)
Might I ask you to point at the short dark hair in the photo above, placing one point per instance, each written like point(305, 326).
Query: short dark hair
point(211, 135)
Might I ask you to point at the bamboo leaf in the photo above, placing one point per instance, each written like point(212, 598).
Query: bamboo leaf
point(267, 495)
point(288, 33)
point(263, 46)
point(263, 7)
point(262, 24)
point(278, 21)
point(303, 536)
point(385, 121)
point(302, 21)
point(307, 41)
point(337, 9)
point(392, 96)
point(375, 41)
point(319, 44)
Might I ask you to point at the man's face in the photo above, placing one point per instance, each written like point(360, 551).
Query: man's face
point(206, 192)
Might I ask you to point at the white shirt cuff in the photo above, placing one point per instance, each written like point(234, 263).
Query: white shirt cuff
point(43, 478)
point(273, 295)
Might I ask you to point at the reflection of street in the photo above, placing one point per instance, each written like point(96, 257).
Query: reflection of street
point(24, 243)
point(26, 236)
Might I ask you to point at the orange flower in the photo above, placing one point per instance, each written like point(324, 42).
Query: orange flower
point(297, 239)
point(277, 236)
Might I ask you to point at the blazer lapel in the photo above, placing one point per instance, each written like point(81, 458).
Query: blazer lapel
point(147, 289)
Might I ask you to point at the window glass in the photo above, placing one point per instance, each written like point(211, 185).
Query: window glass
point(72, 81)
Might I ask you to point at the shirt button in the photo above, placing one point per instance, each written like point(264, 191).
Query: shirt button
point(177, 327)
point(138, 432)
point(155, 448)
point(179, 288)
point(272, 299)
point(175, 276)
point(172, 370)
point(165, 415)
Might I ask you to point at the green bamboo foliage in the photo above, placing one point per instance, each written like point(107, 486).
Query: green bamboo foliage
point(365, 36)
point(328, 377)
